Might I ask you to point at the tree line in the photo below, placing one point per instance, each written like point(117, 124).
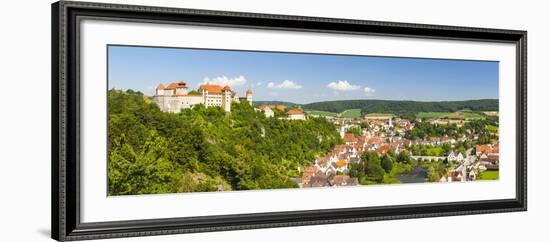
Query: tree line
point(403, 107)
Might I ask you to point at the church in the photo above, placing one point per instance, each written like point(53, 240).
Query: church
point(175, 96)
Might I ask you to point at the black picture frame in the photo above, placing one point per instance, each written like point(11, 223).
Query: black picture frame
point(66, 224)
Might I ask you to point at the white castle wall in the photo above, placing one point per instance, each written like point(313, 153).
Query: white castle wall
point(176, 99)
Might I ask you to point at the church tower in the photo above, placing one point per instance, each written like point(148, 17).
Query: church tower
point(342, 129)
point(249, 96)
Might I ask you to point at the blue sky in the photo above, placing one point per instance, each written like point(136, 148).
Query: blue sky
point(304, 78)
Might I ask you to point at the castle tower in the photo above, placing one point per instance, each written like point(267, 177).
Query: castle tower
point(160, 90)
point(249, 96)
point(181, 88)
point(226, 98)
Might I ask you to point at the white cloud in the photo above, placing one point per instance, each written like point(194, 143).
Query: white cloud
point(224, 80)
point(286, 84)
point(258, 84)
point(369, 91)
point(343, 86)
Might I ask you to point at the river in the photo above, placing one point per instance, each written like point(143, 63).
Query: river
point(418, 175)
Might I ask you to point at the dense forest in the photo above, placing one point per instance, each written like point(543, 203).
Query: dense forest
point(206, 149)
point(403, 107)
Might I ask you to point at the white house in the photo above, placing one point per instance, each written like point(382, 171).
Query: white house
point(296, 114)
point(455, 156)
point(267, 111)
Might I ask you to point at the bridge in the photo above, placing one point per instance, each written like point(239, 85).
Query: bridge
point(423, 157)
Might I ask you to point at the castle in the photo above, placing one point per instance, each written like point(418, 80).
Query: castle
point(174, 97)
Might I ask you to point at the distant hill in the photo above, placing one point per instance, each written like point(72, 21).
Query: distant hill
point(400, 107)
point(287, 104)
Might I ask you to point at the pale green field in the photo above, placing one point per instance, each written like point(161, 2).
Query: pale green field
point(321, 113)
point(351, 113)
point(431, 115)
point(379, 116)
point(488, 175)
point(491, 113)
point(463, 114)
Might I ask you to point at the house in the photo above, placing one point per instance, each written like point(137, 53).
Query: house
point(343, 180)
point(472, 175)
point(308, 173)
point(383, 149)
point(455, 157)
point(317, 180)
point(350, 139)
point(340, 165)
point(296, 114)
point(324, 164)
point(485, 149)
point(281, 108)
point(267, 111)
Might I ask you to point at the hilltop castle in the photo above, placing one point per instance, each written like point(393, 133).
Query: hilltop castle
point(176, 96)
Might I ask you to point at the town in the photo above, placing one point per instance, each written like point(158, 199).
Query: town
point(462, 157)
point(387, 136)
point(449, 156)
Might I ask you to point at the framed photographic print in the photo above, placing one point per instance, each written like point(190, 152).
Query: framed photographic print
point(170, 120)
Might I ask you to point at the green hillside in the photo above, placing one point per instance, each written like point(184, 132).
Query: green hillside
point(402, 107)
point(206, 149)
point(351, 113)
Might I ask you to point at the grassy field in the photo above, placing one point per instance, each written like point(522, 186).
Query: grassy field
point(379, 116)
point(321, 113)
point(488, 175)
point(491, 128)
point(435, 151)
point(431, 115)
point(351, 113)
point(466, 114)
point(491, 113)
point(462, 114)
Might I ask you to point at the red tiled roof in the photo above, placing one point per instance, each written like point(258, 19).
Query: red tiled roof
point(295, 111)
point(360, 144)
point(383, 149)
point(483, 148)
point(211, 88)
point(349, 138)
point(279, 107)
point(341, 163)
point(171, 86)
